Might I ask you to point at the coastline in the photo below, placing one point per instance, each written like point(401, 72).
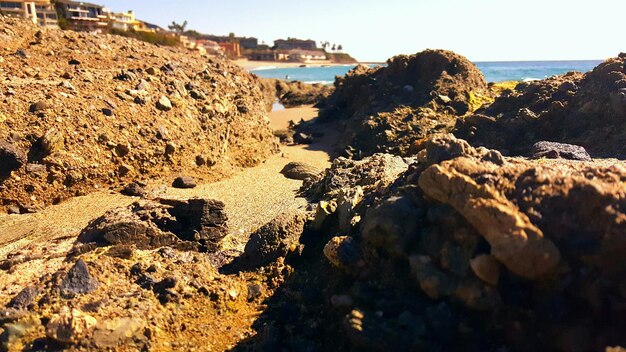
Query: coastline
point(252, 65)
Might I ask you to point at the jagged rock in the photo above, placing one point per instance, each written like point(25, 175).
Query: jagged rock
point(184, 182)
point(275, 239)
point(386, 108)
point(299, 171)
point(189, 224)
point(25, 298)
point(133, 189)
point(514, 240)
point(11, 158)
point(554, 150)
point(70, 326)
point(164, 104)
point(78, 280)
point(52, 141)
point(587, 110)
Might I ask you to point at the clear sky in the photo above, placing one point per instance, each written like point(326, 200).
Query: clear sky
point(482, 30)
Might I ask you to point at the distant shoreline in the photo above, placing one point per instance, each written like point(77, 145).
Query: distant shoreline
point(255, 65)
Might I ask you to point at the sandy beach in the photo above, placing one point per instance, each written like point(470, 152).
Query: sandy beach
point(279, 120)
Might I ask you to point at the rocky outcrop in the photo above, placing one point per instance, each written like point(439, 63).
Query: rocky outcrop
point(585, 110)
point(293, 93)
point(384, 109)
point(465, 248)
point(97, 111)
point(198, 224)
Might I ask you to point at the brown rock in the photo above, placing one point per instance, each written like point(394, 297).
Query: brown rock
point(486, 268)
point(184, 182)
point(70, 326)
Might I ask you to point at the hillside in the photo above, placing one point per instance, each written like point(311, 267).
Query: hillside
point(83, 112)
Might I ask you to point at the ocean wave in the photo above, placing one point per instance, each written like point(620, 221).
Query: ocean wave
point(530, 79)
point(319, 82)
point(263, 68)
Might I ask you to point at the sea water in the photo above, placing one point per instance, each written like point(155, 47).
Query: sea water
point(493, 71)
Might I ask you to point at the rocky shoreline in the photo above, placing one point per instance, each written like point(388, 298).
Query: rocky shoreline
point(454, 215)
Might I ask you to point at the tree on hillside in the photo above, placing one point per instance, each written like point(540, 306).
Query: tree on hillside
point(340, 47)
point(334, 48)
point(178, 28)
point(231, 37)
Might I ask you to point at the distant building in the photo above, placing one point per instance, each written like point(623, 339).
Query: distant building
point(152, 27)
point(125, 21)
point(248, 43)
point(306, 55)
point(83, 16)
point(211, 47)
point(232, 50)
point(40, 12)
point(264, 55)
point(244, 42)
point(293, 44)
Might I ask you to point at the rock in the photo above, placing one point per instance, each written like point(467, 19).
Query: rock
point(115, 332)
point(73, 62)
point(340, 251)
point(164, 104)
point(302, 138)
point(275, 239)
point(322, 213)
point(514, 240)
point(25, 298)
point(124, 226)
point(184, 182)
point(188, 225)
point(78, 280)
point(197, 95)
point(391, 226)
point(486, 268)
point(11, 158)
point(52, 141)
point(70, 326)
point(38, 106)
point(300, 171)
point(107, 111)
point(9, 315)
point(36, 168)
point(170, 149)
point(254, 291)
point(555, 150)
point(133, 189)
point(121, 251)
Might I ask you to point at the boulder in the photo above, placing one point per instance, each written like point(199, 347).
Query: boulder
point(555, 150)
point(275, 239)
point(78, 280)
point(300, 171)
point(11, 158)
point(184, 182)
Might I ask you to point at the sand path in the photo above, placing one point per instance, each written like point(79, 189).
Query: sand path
point(253, 197)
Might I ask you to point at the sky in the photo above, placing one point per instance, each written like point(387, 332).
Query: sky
point(482, 30)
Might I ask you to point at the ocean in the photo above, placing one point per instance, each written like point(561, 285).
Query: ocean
point(493, 71)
